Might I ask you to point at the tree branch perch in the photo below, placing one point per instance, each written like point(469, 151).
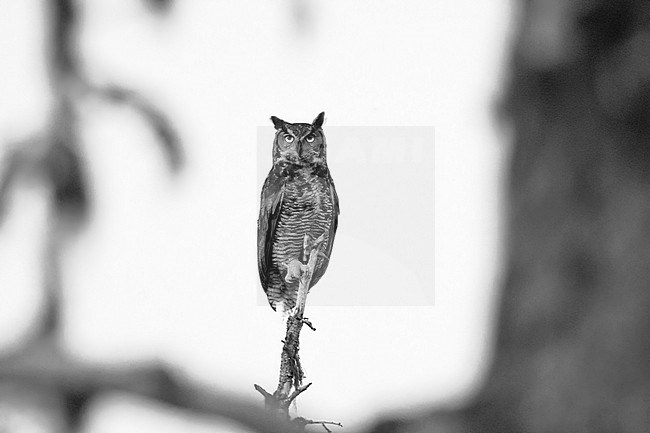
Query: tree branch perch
point(290, 383)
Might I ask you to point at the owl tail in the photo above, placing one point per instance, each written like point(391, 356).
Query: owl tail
point(286, 305)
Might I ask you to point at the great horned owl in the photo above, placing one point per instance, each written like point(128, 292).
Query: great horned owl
point(298, 199)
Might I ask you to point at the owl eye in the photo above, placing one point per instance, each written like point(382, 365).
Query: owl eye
point(310, 138)
point(289, 138)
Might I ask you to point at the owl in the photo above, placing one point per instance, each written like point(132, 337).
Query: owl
point(298, 199)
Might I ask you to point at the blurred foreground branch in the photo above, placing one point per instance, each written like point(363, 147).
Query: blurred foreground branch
point(54, 156)
point(42, 366)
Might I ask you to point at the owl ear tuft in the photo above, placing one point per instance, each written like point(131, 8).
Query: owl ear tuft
point(278, 123)
point(318, 121)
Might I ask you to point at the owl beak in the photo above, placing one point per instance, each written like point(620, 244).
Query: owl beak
point(293, 156)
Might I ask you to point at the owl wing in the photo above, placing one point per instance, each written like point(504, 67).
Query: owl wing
point(271, 204)
point(320, 270)
point(335, 218)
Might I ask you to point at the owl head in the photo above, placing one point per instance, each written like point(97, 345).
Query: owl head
point(299, 143)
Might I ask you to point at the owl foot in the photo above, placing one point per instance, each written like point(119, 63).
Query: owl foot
point(294, 270)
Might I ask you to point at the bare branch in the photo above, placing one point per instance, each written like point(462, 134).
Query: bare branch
point(291, 373)
point(43, 366)
point(304, 422)
point(299, 390)
point(308, 323)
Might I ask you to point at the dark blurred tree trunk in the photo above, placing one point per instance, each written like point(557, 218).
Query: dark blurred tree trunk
point(54, 159)
point(574, 325)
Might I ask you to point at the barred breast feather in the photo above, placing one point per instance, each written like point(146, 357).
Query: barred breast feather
point(296, 200)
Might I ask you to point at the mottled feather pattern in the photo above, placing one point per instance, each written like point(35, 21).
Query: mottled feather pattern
point(298, 199)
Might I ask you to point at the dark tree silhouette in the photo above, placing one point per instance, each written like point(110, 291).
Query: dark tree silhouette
point(572, 346)
point(54, 157)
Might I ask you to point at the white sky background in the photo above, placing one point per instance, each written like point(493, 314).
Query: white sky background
point(167, 266)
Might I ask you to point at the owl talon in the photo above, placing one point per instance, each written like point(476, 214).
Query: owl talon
point(294, 270)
